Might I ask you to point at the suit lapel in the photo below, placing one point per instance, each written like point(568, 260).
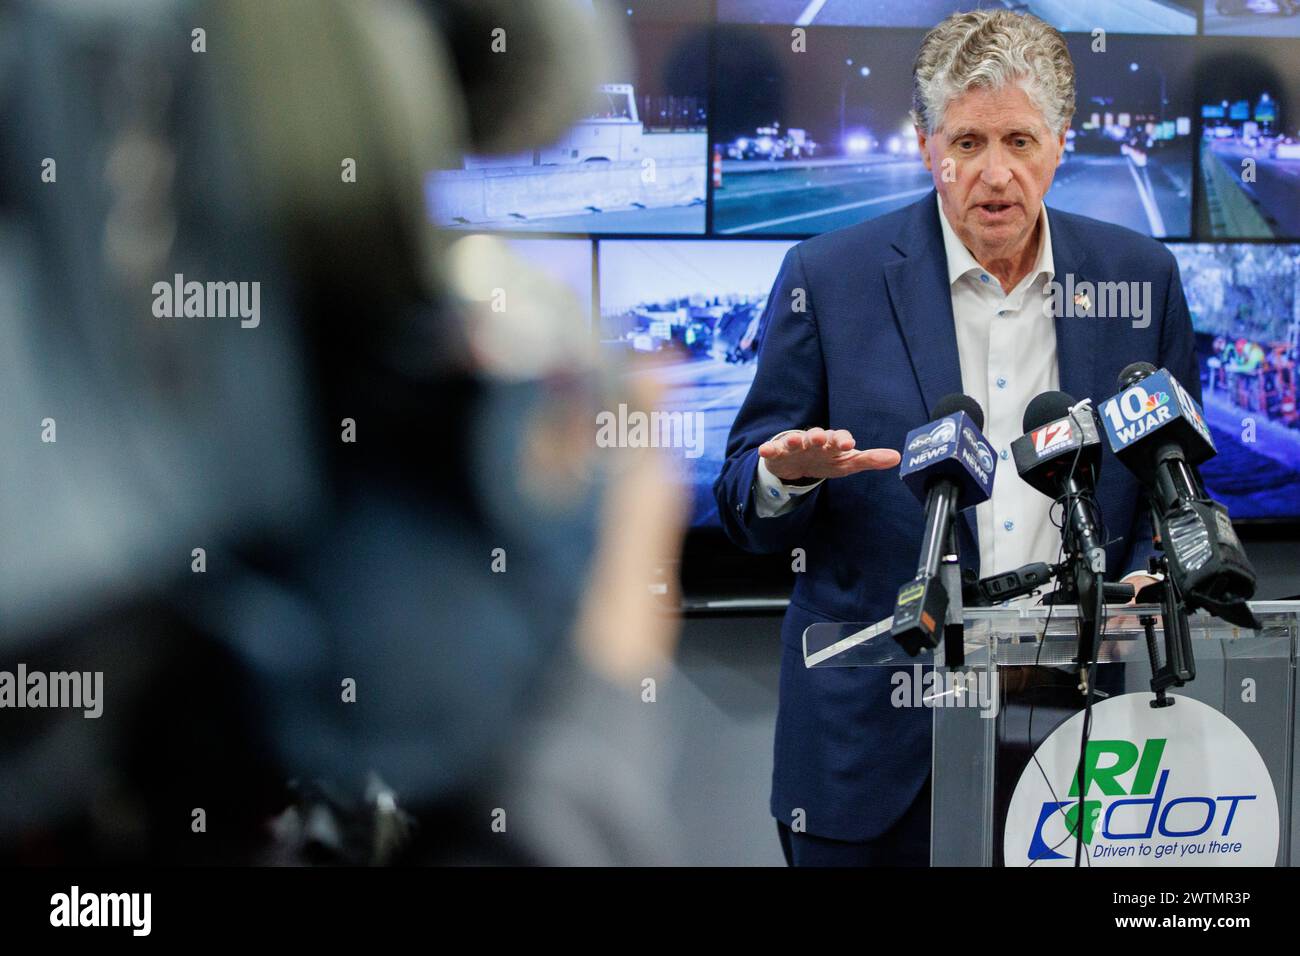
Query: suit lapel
point(1079, 333)
point(1077, 328)
point(922, 300)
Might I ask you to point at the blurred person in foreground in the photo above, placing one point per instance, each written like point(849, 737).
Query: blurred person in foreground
point(321, 636)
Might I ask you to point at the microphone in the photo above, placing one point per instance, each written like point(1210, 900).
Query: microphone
point(1157, 430)
point(1060, 456)
point(948, 464)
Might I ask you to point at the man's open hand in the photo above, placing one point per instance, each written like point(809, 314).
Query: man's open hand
point(818, 453)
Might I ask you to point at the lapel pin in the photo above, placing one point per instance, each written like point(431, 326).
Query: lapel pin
point(1082, 303)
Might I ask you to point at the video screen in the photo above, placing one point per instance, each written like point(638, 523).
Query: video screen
point(816, 140)
point(812, 141)
point(1128, 155)
point(696, 306)
point(1252, 18)
point(636, 163)
point(1246, 311)
point(1128, 16)
point(1248, 95)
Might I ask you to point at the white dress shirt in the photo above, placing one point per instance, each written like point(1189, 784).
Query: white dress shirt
point(1006, 346)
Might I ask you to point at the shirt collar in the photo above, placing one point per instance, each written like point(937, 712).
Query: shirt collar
point(961, 262)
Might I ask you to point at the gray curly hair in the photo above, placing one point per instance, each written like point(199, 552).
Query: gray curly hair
point(990, 49)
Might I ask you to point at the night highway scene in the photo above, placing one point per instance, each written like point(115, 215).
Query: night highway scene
point(1248, 96)
point(805, 147)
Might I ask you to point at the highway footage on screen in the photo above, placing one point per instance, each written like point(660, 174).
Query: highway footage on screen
point(807, 143)
point(636, 163)
point(696, 308)
point(1252, 18)
point(1248, 94)
point(1243, 300)
point(786, 119)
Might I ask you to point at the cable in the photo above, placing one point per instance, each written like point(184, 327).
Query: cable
point(1067, 501)
point(1086, 733)
point(1038, 654)
point(1088, 669)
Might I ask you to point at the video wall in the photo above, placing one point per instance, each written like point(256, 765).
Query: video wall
point(730, 135)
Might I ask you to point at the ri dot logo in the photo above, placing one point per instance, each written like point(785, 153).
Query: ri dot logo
point(1169, 786)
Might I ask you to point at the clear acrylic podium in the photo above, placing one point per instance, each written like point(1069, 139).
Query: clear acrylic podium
point(1018, 684)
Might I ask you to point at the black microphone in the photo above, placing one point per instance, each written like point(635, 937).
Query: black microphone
point(1060, 456)
point(948, 464)
point(1158, 432)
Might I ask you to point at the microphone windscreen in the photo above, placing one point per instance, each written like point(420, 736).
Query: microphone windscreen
point(1133, 374)
point(1047, 407)
point(957, 402)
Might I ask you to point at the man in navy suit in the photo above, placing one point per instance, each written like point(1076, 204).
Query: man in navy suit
point(977, 288)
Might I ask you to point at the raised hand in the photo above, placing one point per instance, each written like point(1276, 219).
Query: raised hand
point(805, 456)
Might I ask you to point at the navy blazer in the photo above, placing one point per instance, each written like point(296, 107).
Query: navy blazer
point(872, 348)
